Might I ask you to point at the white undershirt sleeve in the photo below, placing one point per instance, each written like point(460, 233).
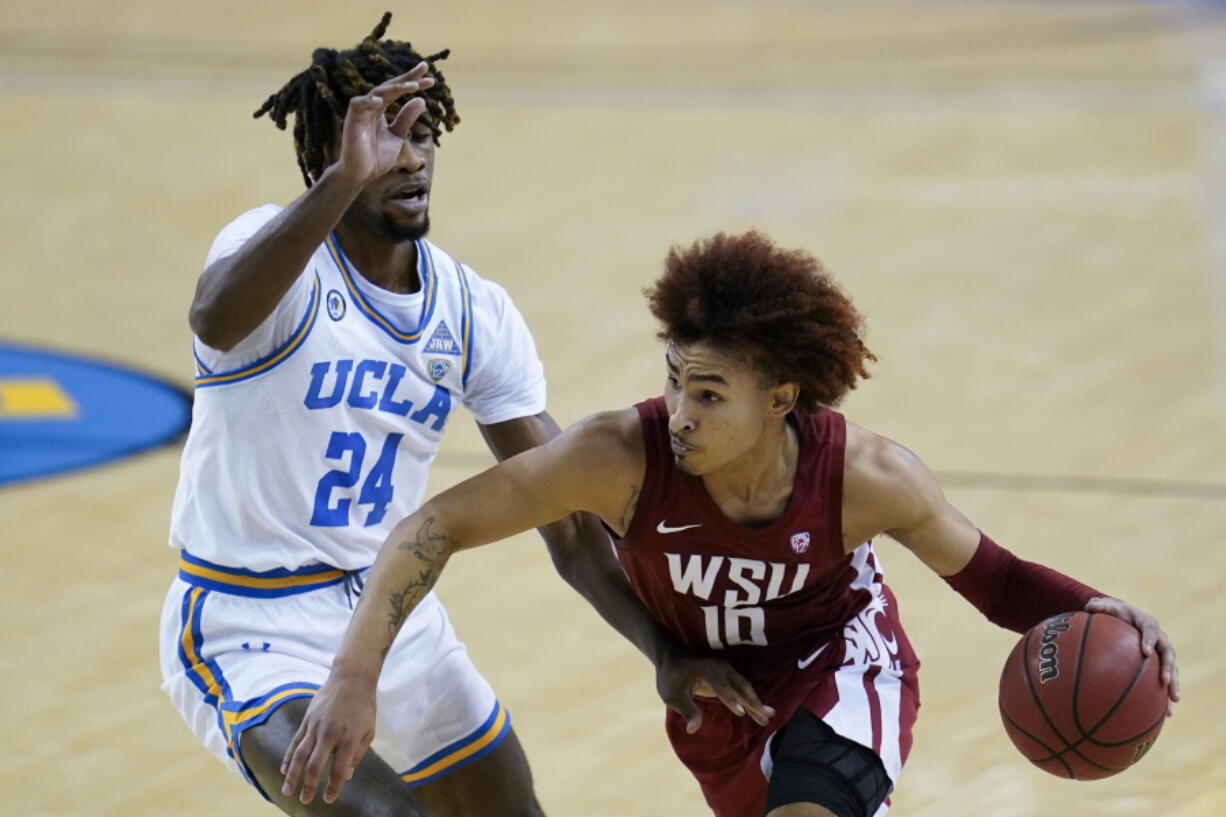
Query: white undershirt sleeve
point(506, 380)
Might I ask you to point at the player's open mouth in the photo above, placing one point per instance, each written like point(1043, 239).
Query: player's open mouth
point(680, 448)
point(414, 199)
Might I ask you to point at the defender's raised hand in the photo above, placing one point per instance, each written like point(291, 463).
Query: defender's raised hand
point(370, 146)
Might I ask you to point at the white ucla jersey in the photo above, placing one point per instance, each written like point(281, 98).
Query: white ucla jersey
point(313, 436)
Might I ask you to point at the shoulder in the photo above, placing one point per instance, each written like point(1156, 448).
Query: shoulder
point(594, 465)
point(446, 263)
point(252, 220)
point(609, 450)
point(884, 481)
point(606, 447)
point(613, 436)
point(488, 296)
point(494, 310)
point(240, 229)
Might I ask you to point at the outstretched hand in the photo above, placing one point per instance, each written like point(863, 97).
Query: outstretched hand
point(1153, 638)
point(682, 676)
point(370, 145)
point(331, 740)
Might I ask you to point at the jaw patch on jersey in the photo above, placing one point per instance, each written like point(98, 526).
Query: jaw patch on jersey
point(60, 412)
point(442, 342)
point(336, 305)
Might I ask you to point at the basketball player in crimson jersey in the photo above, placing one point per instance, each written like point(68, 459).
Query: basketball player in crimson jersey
point(744, 511)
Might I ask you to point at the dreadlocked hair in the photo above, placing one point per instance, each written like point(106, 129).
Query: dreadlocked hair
point(319, 96)
point(778, 308)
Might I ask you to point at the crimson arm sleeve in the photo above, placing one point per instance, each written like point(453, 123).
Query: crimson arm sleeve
point(1013, 593)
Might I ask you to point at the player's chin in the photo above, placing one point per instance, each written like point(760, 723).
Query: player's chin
point(687, 464)
point(404, 226)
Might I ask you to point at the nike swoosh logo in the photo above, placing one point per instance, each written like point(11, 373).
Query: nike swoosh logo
point(662, 528)
point(804, 662)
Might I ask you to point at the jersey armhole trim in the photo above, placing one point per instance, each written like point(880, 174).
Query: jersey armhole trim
point(466, 326)
point(201, 369)
point(274, 358)
point(835, 510)
point(653, 476)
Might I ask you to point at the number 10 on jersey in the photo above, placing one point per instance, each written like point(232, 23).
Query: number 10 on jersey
point(377, 487)
point(734, 620)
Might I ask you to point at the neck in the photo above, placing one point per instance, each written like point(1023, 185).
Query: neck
point(758, 486)
point(390, 265)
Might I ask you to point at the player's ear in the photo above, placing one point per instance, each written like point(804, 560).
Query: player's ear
point(783, 398)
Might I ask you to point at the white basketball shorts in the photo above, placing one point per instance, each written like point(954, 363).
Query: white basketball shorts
point(236, 644)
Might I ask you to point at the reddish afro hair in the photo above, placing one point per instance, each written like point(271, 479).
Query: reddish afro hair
point(779, 308)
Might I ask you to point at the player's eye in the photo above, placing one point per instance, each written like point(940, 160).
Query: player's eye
point(711, 397)
point(672, 382)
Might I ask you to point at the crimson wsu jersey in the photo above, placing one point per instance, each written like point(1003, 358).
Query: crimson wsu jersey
point(765, 597)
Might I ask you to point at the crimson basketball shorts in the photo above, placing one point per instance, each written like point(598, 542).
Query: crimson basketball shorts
point(235, 645)
point(863, 687)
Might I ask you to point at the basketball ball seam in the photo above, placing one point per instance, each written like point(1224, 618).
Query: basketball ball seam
point(1088, 734)
point(1054, 754)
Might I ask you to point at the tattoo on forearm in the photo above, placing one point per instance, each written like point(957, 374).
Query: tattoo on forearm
point(628, 511)
point(431, 549)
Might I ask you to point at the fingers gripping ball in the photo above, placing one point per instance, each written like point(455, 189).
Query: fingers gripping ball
point(1079, 699)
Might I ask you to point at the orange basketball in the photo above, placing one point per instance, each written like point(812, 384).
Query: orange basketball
point(1078, 698)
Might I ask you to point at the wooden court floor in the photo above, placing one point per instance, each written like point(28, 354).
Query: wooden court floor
point(1028, 199)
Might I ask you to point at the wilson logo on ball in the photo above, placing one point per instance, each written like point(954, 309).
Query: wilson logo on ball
point(1049, 664)
point(1143, 748)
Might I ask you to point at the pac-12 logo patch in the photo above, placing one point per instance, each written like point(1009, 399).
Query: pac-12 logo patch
point(800, 541)
point(336, 305)
point(439, 369)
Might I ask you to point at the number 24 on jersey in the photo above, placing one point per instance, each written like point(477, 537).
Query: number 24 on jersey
point(349, 448)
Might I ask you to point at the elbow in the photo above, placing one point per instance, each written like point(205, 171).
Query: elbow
point(207, 324)
point(566, 562)
point(572, 571)
point(582, 554)
point(211, 315)
point(564, 541)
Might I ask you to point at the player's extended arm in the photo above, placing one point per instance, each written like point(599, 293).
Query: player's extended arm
point(580, 470)
point(580, 548)
point(908, 504)
point(582, 554)
point(235, 293)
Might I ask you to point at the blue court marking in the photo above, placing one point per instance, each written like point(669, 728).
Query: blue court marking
point(61, 411)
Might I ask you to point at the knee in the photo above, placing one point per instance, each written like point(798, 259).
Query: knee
point(262, 747)
point(375, 791)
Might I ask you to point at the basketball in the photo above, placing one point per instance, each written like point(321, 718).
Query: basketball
point(1079, 699)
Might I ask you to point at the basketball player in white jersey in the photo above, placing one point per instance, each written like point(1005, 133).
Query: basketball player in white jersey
point(333, 343)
